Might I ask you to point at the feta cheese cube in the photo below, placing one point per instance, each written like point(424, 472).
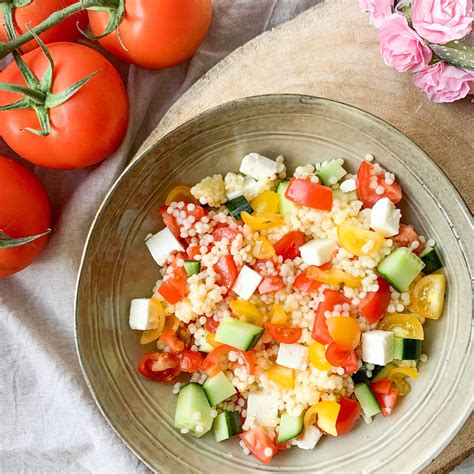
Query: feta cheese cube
point(308, 440)
point(348, 185)
point(246, 283)
point(162, 244)
point(258, 166)
point(143, 314)
point(318, 251)
point(262, 409)
point(293, 356)
point(377, 347)
point(385, 217)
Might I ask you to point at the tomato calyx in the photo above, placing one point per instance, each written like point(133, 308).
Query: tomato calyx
point(116, 11)
point(8, 242)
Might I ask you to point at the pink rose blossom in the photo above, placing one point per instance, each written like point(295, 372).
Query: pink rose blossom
point(401, 47)
point(440, 21)
point(444, 83)
point(379, 10)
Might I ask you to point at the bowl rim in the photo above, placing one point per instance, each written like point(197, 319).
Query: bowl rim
point(467, 251)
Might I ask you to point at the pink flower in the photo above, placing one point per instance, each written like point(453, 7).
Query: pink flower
point(379, 10)
point(443, 83)
point(440, 21)
point(401, 47)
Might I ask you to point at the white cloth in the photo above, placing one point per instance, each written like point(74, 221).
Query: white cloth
point(48, 420)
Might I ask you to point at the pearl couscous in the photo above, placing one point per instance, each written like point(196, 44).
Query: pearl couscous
point(297, 305)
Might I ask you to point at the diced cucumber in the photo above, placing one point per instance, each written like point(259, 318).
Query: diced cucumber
point(406, 349)
point(226, 425)
point(430, 258)
point(285, 206)
point(367, 400)
point(400, 268)
point(331, 172)
point(238, 334)
point(218, 388)
point(193, 412)
point(238, 205)
point(205, 346)
point(290, 427)
point(192, 267)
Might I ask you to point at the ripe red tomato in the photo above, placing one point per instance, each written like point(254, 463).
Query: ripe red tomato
point(340, 358)
point(348, 415)
point(190, 361)
point(306, 193)
point(36, 12)
point(387, 398)
point(374, 305)
point(270, 284)
point(304, 283)
point(24, 211)
point(367, 195)
point(288, 246)
point(224, 231)
point(211, 325)
point(169, 339)
point(406, 236)
point(227, 271)
point(85, 129)
point(282, 333)
point(156, 34)
point(212, 363)
point(159, 366)
point(258, 440)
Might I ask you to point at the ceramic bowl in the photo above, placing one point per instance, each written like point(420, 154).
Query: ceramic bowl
point(117, 267)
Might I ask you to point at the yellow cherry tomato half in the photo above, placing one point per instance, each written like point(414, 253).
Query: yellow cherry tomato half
point(427, 296)
point(267, 201)
point(262, 248)
point(150, 335)
point(398, 375)
point(262, 221)
point(325, 413)
point(180, 193)
point(278, 315)
point(246, 311)
point(283, 376)
point(171, 322)
point(407, 326)
point(317, 356)
point(334, 276)
point(357, 241)
point(345, 331)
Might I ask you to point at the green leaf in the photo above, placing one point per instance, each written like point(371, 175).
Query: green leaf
point(7, 242)
point(19, 104)
point(457, 53)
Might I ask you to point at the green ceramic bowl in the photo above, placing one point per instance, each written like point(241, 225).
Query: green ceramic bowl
point(117, 267)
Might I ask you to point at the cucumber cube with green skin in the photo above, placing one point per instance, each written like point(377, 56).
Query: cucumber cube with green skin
point(285, 207)
point(331, 172)
point(218, 388)
point(406, 349)
point(430, 258)
point(369, 404)
point(226, 425)
point(192, 267)
point(290, 427)
point(238, 205)
point(238, 334)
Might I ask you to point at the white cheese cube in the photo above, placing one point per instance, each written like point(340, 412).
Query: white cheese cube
point(162, 244)
point(258, 166)
point(262, 409)
point(385, 217)
point(348, 186)
point(293, 356)
point(143, 314)
point(377, 347)
point(246, 283)
point(308, 440)
point(317, 251)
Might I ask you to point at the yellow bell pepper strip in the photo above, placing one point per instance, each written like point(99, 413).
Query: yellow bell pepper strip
point(317, 356)
point(403, 325)
point(262, 221)
point(427, 296)
point(278, 315)
point(325, 413)
point(283, 376)
point(357, 241)
point(267, 201)
point(262, 248)
point(246, 311)
point(333, 276)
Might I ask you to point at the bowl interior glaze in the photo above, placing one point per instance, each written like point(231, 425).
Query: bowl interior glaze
point(117, 267)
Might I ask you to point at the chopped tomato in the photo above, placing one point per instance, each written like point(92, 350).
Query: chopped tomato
point(190, 361)
point(169, 339)
point(211, 325)
point(306, 193)
point(320, 329)
point(225, 231)
point(304, 283)
point(270, 284)
point(282, 333)
point(374, 305)
point(192, 251)
point(340, 358)
point(227, 271)
point(381, 386)
point(406, 236)
point(258, 440)
point(288, 246)
point(173, 289)
point(212, 362)
point(367, 195)
point(170, 222)
point(348, 415)
point(159, 366)
point(387, 401)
